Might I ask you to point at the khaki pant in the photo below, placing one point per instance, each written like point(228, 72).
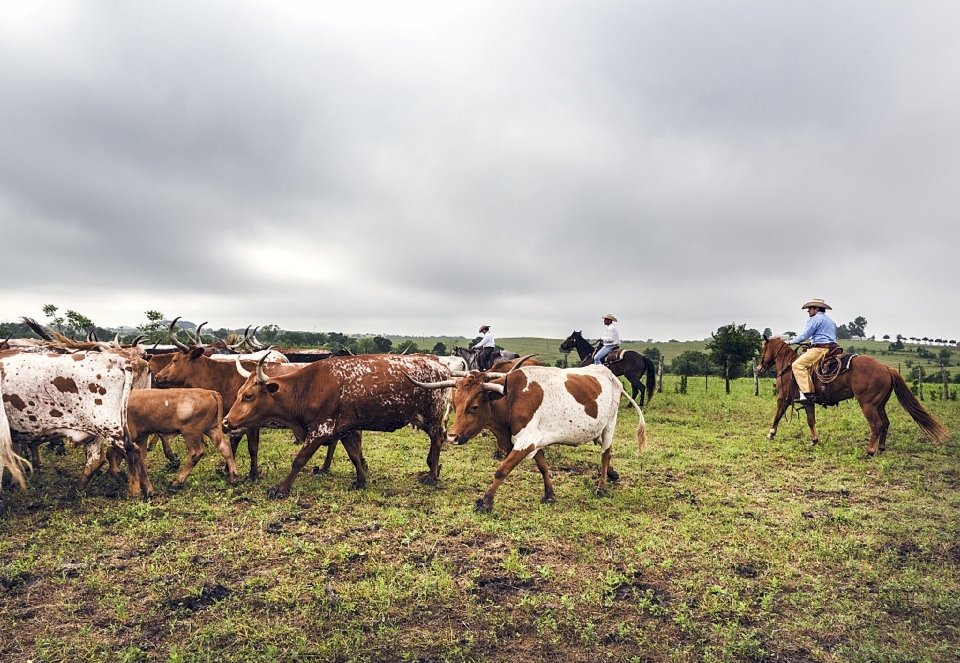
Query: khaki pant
point(804, 364)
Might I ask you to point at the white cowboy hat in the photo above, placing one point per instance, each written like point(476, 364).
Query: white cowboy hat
point(483, 328)
point(609, 316)
point(819, 303)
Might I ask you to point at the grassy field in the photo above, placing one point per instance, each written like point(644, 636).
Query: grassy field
point(715, 545)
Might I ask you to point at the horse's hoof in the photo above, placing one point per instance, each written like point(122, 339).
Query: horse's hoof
point(769, 436)
point(176, 486)
point(427, 480)
point(814, 442)
point(356, 485)
point(277, 493)
point(612, 474)
point(482, 507)
point(321, 470)
point(601, 492)
point(548, 499)
point(499, 455)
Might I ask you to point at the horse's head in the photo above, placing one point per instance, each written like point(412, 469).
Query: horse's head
point(571, 341)
point(772, 347)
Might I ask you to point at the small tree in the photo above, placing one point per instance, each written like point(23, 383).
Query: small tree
point(50, 311)
point(77, 323)
point(858, 327)
point(732, 347)
point(383, 344)
point(440, 349)
point(152, 326)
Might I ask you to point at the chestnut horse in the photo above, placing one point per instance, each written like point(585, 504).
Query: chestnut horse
point(867, 380)
point(631, 365)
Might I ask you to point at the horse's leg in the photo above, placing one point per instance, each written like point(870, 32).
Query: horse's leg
point(781, 410)
point(812, 423)
point(879, 423)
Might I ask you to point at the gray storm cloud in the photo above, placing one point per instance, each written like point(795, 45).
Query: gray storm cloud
point(418, 169)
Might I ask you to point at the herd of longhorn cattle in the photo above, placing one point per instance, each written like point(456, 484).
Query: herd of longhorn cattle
point(98, 395)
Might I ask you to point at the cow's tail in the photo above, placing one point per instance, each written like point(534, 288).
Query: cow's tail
point(933, 428)
point(8, 459)
point(641, 424)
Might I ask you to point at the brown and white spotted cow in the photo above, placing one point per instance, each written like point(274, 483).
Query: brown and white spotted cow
point(531, 408)
point(337, 398)
point(81, 396)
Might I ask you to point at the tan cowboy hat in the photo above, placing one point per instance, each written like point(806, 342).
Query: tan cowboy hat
point(819, 303)
point(609, 316)
point(483, 328)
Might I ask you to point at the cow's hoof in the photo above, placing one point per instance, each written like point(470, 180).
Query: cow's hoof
point(71, 495)
point(482, 507)
point(601, 492)
point(427, 480)
point(253, 477)
point(176, 486)
point(814, 442)
point(173, 464)
point(277, 493)
point(769, 436)
point(321, 470)
point(499, 455)
point(612, 474)
point(356, 485)
point(548, 499)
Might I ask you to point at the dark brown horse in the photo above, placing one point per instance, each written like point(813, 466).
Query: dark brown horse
point(631, 365)
point(867, 380)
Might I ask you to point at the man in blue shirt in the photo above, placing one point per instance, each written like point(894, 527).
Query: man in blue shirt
point(821, 331)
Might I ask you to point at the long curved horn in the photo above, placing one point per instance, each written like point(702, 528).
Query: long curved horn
point(261, 375)
point(244, 373)
point(173, 338)
point(254, 343)
point(136, 340)
point(491, 375)
point(520, 362)
point(407, 349)
point(349, 351)
point(239, 344)
point(445, 384)
point(499, 388)
point(196, 334)
point(459, 374)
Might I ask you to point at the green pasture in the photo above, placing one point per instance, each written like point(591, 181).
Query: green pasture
point(715, 545)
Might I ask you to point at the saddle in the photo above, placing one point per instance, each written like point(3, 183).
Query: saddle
point(832, 365)
point(612, 357)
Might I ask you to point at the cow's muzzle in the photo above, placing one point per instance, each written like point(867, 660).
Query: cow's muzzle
point(456, 439)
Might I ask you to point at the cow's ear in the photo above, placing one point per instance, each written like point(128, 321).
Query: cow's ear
point(196, 352)
point(272, 387)
point(495, 396)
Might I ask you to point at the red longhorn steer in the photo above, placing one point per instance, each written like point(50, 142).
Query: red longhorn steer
point(192, 368)
point(533, 407)
point(337, 398)
point(82, 396)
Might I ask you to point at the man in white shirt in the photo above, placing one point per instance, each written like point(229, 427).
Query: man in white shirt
point(487, 347)
point(610, 339)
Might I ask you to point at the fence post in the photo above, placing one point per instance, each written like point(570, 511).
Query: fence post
point(660, 377)
point(756, 381)
point(946, 385)
point(726, 375)
point(920, 381)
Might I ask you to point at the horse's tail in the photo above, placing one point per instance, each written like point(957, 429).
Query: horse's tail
point(641, 424)
point(933, 428)
point(651, 377)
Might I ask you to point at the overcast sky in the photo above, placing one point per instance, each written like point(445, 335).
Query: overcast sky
point(424, 168)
